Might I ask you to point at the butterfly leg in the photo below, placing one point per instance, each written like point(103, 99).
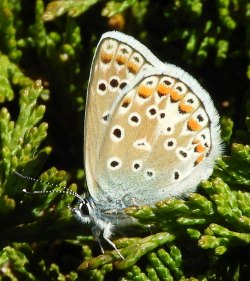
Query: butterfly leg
point(97, 233)
point(106, 235)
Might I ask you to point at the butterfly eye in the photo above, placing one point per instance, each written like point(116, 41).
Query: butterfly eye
point(84, 209)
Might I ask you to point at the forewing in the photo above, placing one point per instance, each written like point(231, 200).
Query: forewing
point(117, 61)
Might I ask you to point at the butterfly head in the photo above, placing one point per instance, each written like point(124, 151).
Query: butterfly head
point(86, 212)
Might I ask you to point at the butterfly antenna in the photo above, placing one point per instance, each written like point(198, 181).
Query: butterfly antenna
point(69, 192)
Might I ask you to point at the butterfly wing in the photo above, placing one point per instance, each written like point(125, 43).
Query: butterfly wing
point(115, 65)
point(161, 139)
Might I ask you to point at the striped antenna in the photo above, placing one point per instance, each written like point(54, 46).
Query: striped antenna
point(69, 192)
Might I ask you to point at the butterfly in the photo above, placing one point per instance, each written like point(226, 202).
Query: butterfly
point(151, 132)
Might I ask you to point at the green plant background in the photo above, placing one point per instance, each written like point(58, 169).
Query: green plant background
point(46, 50)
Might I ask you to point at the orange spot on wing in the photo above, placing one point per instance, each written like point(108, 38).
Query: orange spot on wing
point(185, 108)
point(145, 92)
point(133, 68)
point(126, 102)
point(193, 125)
point(120, 59)
point(199, 148)
point(174, 96)
point(162, 89)
point(199, 160)
point(105, 57)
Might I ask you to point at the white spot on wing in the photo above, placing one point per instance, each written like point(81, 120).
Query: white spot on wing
point(114, 83)
point(180, 87)
point(105, 117)
point(176, 176)
point(149, 174)
point(136, 165)
point(101, 87)
point(152, 111)
point(169, 144)
point(117, 133)
point(134, 119)
point(142, 144)
point(182, 153)
point(114, 163)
